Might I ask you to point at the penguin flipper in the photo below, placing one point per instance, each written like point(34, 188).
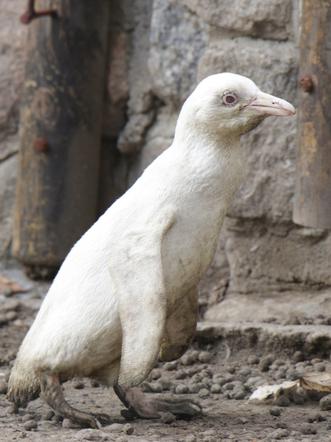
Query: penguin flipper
point(138, 284)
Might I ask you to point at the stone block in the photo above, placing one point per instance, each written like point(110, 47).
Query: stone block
point(177, 40)
point(267, 19)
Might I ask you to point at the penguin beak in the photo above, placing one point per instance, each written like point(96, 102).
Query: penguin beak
point(266, 104)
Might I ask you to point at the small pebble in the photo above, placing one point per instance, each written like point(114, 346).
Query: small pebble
point(280, 433)
point(187, 359)
point(180, 374)
point(30, 425)
point(215, 388)
point(204, 356)
point(275, 411)
point(282, 401)
point(155, 387)
point(190, 438)
point(129, 429)
point(181, 389)
point(170, 366)
point(79, 385)
point(166, 384)
point(320, 367)
point(325, 403)
point(239, 394)
point(156, 374)
point(265, 363)
point(167, 418)
point(245, 372)
point(203, 393)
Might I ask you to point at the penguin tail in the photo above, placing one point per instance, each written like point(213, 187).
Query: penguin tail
point(23, 384)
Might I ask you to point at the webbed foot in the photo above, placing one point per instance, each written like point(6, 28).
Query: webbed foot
point(146, 407)
point(52, 393)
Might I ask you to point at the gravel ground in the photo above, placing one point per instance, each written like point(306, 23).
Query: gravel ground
point(220, 377)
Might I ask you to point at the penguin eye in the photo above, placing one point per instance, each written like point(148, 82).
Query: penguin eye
point(230, 99)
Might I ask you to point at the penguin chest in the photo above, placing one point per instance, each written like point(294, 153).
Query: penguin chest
point(187, 251)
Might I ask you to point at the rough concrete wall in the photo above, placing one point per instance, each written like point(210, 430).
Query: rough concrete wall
point(261, 252)
point(12, 36)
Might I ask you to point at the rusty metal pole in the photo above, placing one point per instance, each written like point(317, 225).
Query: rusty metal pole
point(60, 133)
point(312, 202)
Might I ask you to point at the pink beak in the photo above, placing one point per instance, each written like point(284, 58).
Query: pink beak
point(269, 105)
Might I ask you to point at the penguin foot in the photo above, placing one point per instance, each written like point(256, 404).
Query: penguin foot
point(51, 392)
point(140, 405)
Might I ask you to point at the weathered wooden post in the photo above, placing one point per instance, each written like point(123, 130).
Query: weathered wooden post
point(60, 132)
point(312, 203)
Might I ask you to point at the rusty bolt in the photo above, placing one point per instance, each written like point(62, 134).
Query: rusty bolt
point(40, 145)
point(31, 13)
point(306, 83)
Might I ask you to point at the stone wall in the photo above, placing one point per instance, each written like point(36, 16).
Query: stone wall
point(158, 50)
point(12, 36)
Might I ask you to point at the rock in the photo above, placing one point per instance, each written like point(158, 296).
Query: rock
point(181, 389)
point(79, 385)
point(282, 401)
point(320, 367)
point(170, 366)
point(238, 394)
point(269, 20)
point(180, 374)
point(178, 39)
point(128, 429)
point(325, 403)
point(203, 393)
point(156, 387)
point(187, 359)
point(156, 374)
point(30, 425)
point(280, 433)
point(265, 363)
point(275, 411)
point(215, 388)
point(205, 356)
point(167, 418)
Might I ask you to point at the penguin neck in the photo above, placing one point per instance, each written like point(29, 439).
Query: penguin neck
point(215, 163)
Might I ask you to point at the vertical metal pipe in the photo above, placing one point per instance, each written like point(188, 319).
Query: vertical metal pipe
point(60, 133)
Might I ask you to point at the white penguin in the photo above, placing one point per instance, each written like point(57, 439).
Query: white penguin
point(126, 293)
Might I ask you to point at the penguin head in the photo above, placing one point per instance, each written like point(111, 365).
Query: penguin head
point(228, 104)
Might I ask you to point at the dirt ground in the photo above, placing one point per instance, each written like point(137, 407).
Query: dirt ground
point(219, 377)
